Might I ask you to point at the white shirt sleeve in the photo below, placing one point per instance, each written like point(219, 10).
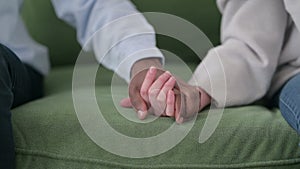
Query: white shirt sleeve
point(117, 33)
point(252, 35)
point(15, 36)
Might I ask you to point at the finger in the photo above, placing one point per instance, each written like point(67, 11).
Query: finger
point(181, 110)
point(140, 106)
point(149, 78)
point(138, 103)
point(170, 104)
point(136, 99)
point(157, 106)
point(158, 84)
point(169, 85)
point(162, 96)
point(154, 91)
point(178, 119)
point(126, 103)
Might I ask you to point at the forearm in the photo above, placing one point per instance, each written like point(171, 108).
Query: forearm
point(117, 33)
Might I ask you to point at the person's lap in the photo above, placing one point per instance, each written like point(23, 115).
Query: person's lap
point(289, 102)
point(19, 83)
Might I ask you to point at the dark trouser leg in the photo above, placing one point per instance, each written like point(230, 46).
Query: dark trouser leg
point(289, 102)
point(18, 84)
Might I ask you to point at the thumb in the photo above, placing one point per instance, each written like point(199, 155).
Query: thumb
point(136, 99)
point(126, 103)
point(139, 104)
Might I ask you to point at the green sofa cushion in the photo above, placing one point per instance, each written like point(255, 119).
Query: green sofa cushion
point(49, 135)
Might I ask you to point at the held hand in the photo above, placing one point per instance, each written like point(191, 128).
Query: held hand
point(161, 96)
point(148, 93)
point(138, 91)
point(155, 91)
point(180, 100)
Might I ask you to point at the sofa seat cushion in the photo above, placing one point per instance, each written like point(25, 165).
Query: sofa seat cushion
point(48, 135)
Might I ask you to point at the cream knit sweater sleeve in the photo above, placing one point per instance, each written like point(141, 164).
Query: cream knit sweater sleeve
point(240, 70)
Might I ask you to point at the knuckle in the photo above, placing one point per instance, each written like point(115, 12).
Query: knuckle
point(152, 93)
point(169, 85)
point(161, 100)
point(191, 95)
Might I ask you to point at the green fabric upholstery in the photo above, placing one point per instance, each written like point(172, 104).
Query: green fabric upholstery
point(47, 29)
point(48, 134)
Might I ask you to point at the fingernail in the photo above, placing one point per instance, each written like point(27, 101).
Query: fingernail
point(168, 73)
point(172, 79)
point(152, 69)
point(141, 114)
point(169, 114)
point(180, 120)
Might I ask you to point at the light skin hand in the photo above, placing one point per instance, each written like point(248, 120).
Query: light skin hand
point(181, 102)
point(158, 92)
point(148, 81)
point(170, 108)
point(175, 98)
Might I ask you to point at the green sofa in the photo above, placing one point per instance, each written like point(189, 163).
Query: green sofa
point(48, 134)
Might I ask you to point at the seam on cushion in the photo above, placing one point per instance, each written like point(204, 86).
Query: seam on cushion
point(113, 164)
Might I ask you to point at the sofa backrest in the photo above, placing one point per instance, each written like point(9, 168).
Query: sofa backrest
point(60, 38)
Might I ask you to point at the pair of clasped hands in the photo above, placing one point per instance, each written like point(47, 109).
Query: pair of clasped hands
point(157, 92)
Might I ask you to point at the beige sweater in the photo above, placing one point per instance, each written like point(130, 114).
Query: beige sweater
point(260, 51)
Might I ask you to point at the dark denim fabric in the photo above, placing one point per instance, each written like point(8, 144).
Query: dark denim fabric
point(19, 83)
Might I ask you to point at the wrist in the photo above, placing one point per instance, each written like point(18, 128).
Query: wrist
point(205, 99)
point(145, 64)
